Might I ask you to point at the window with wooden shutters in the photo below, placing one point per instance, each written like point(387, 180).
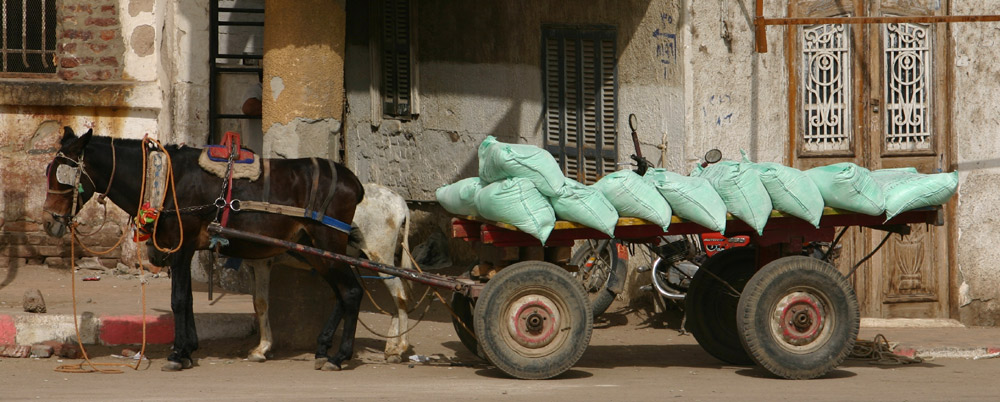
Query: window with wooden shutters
point(396, 48)
point(28, 37)
point(581, 100)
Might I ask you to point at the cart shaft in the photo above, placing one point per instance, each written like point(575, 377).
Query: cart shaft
point(435, 280)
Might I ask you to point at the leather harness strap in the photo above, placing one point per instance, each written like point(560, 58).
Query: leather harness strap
point(267, 180)
point(315, 184)
point(296, 212)
point(331, 189)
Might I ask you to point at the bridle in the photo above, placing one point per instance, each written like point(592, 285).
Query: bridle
point(70, 176)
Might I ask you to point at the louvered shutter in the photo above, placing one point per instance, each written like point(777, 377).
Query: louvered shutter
point(581, 96)
point(396, 59)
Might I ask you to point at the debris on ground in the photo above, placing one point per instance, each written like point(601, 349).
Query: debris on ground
point(33, 301)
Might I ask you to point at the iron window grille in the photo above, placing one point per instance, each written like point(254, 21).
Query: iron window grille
point(28, 37)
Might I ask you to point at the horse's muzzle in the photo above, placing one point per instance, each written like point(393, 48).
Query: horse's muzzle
point(54, 226)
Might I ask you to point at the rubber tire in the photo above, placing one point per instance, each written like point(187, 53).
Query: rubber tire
point(840, 319)
point(514, 284)
point(464, 307)
point(711, 309)
point(600, 297)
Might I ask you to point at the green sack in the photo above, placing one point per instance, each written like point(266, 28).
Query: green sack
point(634, 197)
point(848, 186)
point(791, 191)
point(460, 197)
point(691, 198)
point(740, 188)
point(905, 189)
point(517, 202)
point(586, 206)
point(498, 161)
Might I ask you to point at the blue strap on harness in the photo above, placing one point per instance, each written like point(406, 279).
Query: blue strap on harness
point(328, 221)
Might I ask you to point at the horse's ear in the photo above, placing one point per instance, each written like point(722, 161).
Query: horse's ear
point(68, 135)
point(71, 142)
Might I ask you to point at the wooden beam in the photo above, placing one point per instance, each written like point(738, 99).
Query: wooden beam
point(761, 23)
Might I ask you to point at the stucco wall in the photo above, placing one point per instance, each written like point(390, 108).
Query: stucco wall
point(737, 98)
point(976, 124)
point(474, 82)
point(117, 74)
point(303, 83)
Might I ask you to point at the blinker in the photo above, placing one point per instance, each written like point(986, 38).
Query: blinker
point(66, 174)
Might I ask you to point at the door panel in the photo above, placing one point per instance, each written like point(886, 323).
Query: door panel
point(896, 116)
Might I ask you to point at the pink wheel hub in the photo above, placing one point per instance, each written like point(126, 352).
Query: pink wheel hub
point(532, 321)
point(799, 318)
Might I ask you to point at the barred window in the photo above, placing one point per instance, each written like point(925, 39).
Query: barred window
point(907, 61)
point(28, 37)
point(581, 100)
point(826, 87)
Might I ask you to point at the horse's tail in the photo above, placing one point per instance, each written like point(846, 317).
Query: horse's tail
point(405, 243)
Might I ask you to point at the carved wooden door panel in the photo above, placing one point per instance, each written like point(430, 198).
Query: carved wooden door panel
point(874, 95)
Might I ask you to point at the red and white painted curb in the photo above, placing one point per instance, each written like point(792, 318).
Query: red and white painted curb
point(29, 329)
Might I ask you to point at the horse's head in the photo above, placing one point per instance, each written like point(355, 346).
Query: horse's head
point(69, 184)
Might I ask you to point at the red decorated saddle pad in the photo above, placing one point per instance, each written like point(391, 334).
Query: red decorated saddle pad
point(220, 153)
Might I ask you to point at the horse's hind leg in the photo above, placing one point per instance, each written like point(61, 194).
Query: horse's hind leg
point(397, 344)
point(349, 293)
point(325, 339)
point(185, 334)
point(262, 282)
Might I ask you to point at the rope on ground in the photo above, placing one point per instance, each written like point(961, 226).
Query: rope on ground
point(97, 367)
point(880, 352)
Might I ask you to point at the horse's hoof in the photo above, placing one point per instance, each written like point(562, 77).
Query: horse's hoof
point(256, 358)
point(172, 366)
point(329, 366)
point(187, 363)
point(319, 363)
point(393, 359)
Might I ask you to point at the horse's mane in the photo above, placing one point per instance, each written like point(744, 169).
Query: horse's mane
point(133, 143)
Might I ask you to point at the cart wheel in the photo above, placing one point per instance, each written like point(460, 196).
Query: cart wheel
point(464, 307)
point(711, 306)
point(798, 317)
point(533, 320)
point(599, 266)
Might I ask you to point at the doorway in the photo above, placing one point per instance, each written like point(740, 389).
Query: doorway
point(876, 95)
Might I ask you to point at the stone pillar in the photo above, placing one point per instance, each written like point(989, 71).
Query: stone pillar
point(303, 104)
point(303, 88)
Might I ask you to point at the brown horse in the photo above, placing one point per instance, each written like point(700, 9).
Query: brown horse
point(89, 164)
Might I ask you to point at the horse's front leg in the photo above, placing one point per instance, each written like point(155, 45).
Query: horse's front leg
point(262, 281)
point(181, 302)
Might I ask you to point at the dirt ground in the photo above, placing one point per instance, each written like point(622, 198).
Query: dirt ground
point(633, 355)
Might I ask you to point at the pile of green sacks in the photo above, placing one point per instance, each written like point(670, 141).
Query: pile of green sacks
point(523, 185)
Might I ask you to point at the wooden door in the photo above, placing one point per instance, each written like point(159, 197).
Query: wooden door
point(874, 95)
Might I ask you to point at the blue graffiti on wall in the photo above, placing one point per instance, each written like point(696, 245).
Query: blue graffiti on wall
point(718, 110)
point(666, 43)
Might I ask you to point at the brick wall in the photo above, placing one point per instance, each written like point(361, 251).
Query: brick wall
point(90, 47)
